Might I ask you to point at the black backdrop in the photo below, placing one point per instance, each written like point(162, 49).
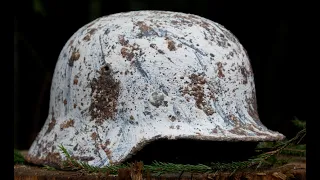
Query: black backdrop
point(264, 29)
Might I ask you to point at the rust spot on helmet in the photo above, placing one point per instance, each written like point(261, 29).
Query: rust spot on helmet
point(75, 56)
point(94, 136)
point(234, 119)
point(92, 31)
point(122, 40)
point(143, 26)
point(89, 34)
point(65, 102)
point(70, 43)
point(145, 29)
point(75, 80)
point(245, 74)
point(107, 142)
point(104, 96)
point(127, 53)
point(67, 124)
point(171, 45)
point(87, 37)
point(128, 50)
point(51, 125)
point(195, 88)
point(220, 73)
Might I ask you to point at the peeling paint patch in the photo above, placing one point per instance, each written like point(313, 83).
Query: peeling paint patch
point(245, 74)
point(67, 124)
point(94, 136)
point(127, 53)
point(86, 38)
point(196, 89)
point(171, 45)
point(146, 30)
point(234, 119)
point(51, 125)
point(70, 43)
point(220, 70)
point(105, 92)
point(90, 32)
point(75, 80)
point(122, 40)
point(74, 57)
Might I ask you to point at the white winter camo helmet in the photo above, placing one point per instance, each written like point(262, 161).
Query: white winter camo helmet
point(127, 79)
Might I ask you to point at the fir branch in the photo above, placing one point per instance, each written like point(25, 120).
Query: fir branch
point(298, 123)
point(18, 158)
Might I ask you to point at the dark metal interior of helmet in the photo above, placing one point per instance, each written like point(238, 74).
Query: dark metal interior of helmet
point(194, 151)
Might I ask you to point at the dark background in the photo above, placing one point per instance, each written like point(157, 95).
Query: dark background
point(42, 27)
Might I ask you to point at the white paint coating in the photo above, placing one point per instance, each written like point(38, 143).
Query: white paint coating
point(177, 76)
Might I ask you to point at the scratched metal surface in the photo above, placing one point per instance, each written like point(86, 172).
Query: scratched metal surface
point(126, 79)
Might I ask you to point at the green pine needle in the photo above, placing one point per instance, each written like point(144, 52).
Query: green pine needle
point(18, 158)
point(299, 123)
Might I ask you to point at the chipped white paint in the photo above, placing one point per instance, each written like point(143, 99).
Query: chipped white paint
point(131, 78)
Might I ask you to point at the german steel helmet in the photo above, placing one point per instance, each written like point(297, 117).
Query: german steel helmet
point(127, 79)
